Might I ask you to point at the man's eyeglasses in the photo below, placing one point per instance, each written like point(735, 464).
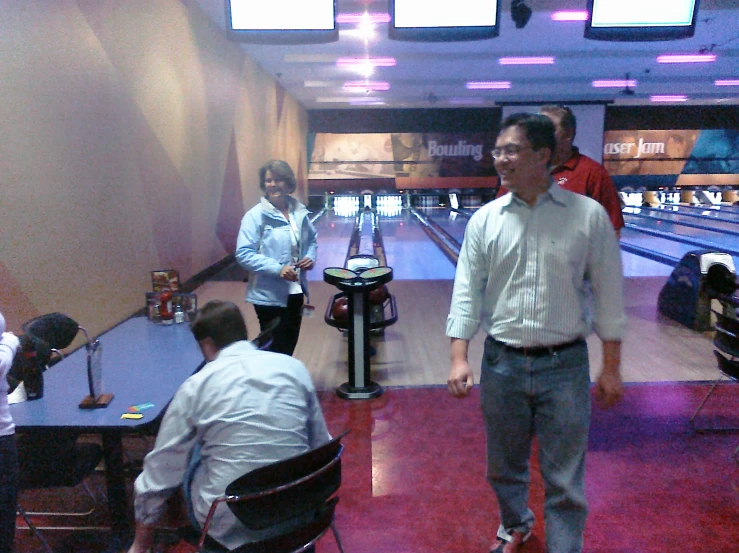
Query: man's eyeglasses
point(512, 150)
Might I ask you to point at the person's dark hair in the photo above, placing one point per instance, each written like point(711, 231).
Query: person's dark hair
point(220, 321)
point(539, 129)
point(564, 114)
point(281, 171)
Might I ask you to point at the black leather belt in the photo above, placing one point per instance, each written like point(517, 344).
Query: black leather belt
point(539, 351)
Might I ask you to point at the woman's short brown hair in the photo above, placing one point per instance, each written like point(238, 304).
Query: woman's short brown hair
point(280, 171)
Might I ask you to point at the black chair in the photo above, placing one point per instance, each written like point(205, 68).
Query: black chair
point(42, 343)
point(58, 460)
point(726, 341)
point(296, 494)
point(266, 336)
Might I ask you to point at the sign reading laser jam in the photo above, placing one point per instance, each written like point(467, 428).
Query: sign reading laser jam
point(629, 148)
point(460, 149)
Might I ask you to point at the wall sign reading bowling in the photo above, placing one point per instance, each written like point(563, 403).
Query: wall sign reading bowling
point(350, 310)
point(402, 160)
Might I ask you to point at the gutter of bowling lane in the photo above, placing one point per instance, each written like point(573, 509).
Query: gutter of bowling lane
point(682, 239)
point(439, 236)
point(378, 245)
point(355, 238)
point(318, 215)
point(650, 254)
point(462, 211)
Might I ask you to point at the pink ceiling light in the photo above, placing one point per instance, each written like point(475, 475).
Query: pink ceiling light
point(614, 83)
point(488, 85)
point(686, 58)
point(364, 86)
point(361, 62)
point(726, 82)
point(540, 60)
point(668, 98)
point(362, 17)
point(570, 15)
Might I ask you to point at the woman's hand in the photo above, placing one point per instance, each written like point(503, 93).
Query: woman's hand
point(288, 272)
point(306, 263)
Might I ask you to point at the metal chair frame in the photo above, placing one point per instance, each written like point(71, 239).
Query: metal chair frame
point(726, 341)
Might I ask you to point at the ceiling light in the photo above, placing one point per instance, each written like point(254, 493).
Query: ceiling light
point(366, 86)
point(668, 98)
point(614, 83)
point(520, 13)
point(686, 58)
point(362, 17)
point(570, 15)
point(334, 99)
point(474, 101)
point(533, 60)
point(488, 85)
point(361, 62)
point(726, 82)
point(366, 102)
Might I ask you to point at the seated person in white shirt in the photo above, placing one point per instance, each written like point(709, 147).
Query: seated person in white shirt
point(8, 452)
point(245, 409)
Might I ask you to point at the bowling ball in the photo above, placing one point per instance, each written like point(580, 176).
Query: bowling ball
point(340, 309)
point(379, 295)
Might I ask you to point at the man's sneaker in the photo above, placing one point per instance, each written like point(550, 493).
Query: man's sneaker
point(503, 545)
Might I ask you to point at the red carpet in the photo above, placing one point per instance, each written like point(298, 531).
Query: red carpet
point(414, 464)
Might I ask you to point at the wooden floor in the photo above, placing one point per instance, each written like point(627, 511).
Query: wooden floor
point(415, 350)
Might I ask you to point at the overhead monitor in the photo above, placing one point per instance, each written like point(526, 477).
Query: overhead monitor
point(424, 21)
point(641, 20)
point(282, 21)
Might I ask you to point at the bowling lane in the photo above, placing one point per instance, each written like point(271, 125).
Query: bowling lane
point(334, 233)
point(410, 252)
point(682, 218)
point(672, 248)
point(449, 220)
point(729, 213)
point(703, 238)
point(633, 265)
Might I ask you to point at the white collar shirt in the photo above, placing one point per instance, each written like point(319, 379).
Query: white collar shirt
point(523, 272)
point(243, 410)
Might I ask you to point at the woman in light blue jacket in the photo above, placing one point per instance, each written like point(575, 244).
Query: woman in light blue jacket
point(277, 244)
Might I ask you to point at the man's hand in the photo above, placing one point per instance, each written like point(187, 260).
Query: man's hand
point(288, 272)
point(460, 376)
point(609, 386)
point(608, 389)
point(460, 379)
point(305, 263)
point(144, 539)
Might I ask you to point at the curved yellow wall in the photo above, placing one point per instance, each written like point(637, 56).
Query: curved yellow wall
point(131, 136)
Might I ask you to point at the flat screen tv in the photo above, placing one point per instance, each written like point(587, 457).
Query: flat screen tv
point(281, 21)
point(454, 20)
point(641, 20)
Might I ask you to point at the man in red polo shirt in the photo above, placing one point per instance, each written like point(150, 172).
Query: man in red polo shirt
point(576, 172)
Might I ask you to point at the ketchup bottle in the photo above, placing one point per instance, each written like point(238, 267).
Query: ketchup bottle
point(165, 306)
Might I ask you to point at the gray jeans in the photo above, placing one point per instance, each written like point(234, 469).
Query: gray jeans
point(547, 396)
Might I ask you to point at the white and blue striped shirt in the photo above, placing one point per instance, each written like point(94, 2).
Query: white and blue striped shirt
point(522, 272)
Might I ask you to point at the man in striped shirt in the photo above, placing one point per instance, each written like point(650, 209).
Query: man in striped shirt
point(522, 276)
